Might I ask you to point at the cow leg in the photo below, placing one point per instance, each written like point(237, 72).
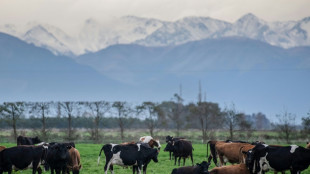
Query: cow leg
point(144, 169)
point(221, 160)
point(183, 161)
point(175, 160)
point(179, 161)
point(170, 155)
point(192, 159)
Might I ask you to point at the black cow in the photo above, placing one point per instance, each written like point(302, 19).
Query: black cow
point(22, 157)
point(198, 169)
point(263, 158)
point(182, 149)
point(172, 140)
point(27, 140)
point(58, 157)
point(128, 155)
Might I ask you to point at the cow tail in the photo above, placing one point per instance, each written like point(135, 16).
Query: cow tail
point(99, 156)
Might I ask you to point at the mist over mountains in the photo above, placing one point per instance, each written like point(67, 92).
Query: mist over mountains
point(260, 66)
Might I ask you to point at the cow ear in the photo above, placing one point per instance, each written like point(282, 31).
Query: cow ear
point(69, 147)
point(244, 152)
point(307, 142)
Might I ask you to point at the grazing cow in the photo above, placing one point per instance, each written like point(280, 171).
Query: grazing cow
point(232, 169)
point(58, 157)
point(170, 139)
point(228, 152)
point(182, 149)
point(74, 163)
point(152, 142)
point(2, 147)
point(27, 140)
point(198, 169)
point(263, 158)
point(22, 157)
point(128, 155)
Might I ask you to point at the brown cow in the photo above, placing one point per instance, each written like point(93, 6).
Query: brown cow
point(2, 147)
point(74, 163)
point(232, 169)
point(228, 152)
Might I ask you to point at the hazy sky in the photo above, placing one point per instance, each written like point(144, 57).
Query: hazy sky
point(69, 14)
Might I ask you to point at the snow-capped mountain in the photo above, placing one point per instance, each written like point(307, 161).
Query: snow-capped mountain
point(94, 35)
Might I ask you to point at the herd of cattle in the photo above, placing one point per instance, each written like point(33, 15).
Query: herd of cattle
point(251, 158)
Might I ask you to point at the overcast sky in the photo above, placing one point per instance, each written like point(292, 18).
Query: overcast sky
point(69, 14)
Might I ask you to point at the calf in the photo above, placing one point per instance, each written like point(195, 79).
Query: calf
point(232, 169)
point(58, 157)
point(27, 140)
point(22, 157)
point(128, 155)
point(74, 163)
point(198, 169)
point(182, 149)
point(151, 141)
point(263, 158)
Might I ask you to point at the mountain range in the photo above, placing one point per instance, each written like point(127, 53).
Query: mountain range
point(259, 66)
point(94, 36)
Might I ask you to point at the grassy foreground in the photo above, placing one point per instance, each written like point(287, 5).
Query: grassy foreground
point(89, 155)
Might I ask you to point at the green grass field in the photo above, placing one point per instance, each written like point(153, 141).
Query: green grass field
point(89, 155)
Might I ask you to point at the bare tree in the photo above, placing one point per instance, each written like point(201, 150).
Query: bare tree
point(286, 125)
point(11, 112)
point(123, 111)
point(42, 109)
point(232, 119)
point(69, 108)
point(306, 125)
point(175, 113)
point(98, 109)
point(151, 111)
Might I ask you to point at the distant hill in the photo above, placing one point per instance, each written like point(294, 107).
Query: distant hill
point(32, 73)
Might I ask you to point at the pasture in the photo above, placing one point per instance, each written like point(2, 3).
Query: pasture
point(90, 152)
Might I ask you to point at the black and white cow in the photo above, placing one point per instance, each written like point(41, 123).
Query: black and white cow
point(182, 149)
point(27, 140)
point(128, 155)
point(58, 157)
point(22, 157)
point(263, 158)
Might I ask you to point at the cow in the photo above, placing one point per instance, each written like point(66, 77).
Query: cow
point(27, 140)
point(231, 169)
point(2, 147)
point(228, 152)
point(201, 168)
point(182, 149)
point(74, 163)
point(263, 158)
point(128, 155)
point(308, 145)
point(22, 157)
point(58, 157)
point(152, 142)
point(170, 139)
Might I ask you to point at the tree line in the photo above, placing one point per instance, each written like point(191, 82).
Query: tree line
point(174, 114)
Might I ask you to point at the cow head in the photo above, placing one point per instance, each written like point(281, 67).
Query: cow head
point(169, 147)
point(169, 139)
point(155, 155)
point(60, 151)
point(36, 140)
point(204, 166)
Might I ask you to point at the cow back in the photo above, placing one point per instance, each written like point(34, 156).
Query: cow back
point(183, 148)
